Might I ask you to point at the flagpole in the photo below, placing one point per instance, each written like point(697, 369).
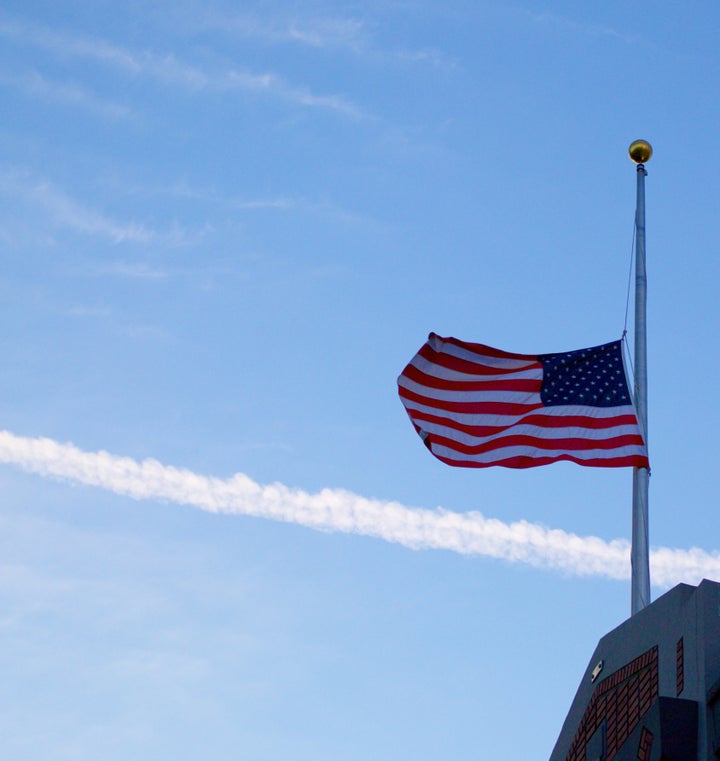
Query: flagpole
point(640, 151)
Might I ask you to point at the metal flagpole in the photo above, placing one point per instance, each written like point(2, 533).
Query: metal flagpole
point(640, 151)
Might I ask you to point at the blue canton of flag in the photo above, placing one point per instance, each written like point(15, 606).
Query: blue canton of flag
point(595, 377)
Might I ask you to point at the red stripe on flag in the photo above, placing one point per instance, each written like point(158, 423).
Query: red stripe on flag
point(525, 461)
point(487, 351)
point(471, 367)
point(509, 384)
point(470, 408)
point(571, 444)
point(536, 419)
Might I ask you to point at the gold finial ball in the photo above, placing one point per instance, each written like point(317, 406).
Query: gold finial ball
point(640, 151)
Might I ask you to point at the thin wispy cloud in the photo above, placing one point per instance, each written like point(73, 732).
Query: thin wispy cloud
point(66, 211)
point(300, 204)
point(322, 33)
point(570, 26)
point(81, 310)
point(168, 70)
point(185, 191)
point(280, 204)
point(430, 56)
point(303, 205)
point(66, 45)
point(346, 33)
point(133, 270)
point(337, 510)
point(34, 85)
point(275, 85)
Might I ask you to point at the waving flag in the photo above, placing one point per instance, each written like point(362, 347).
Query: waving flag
point(475, 406)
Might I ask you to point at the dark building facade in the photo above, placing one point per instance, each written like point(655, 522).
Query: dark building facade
point(651, 691)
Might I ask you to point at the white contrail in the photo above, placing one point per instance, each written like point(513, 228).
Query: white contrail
point(339, 510)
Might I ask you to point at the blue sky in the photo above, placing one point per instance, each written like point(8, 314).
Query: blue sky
point(225, 229)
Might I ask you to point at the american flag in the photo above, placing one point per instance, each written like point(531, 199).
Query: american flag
point(475, 406)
